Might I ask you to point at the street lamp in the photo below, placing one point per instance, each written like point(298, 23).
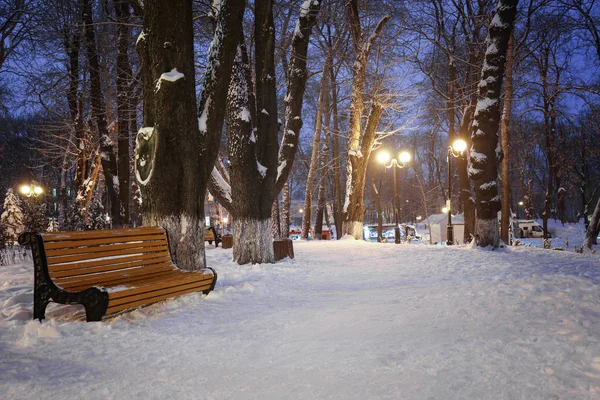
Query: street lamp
point(403, 158)
point(456, 150)
point(31, 190)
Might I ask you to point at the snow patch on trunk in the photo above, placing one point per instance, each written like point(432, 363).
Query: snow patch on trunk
point(354, 228)
point(252, 241)
point(203, 117)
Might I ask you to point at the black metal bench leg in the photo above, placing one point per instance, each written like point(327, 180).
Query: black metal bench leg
point(39, 308)
point(95, 302)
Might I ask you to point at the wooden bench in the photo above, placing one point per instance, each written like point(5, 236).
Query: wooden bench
point(211, 235)
point(108, 271)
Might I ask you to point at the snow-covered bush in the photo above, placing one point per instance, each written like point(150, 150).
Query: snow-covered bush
point(12, 218)
point(34, 215)
point(73, 220)
point(96, 217)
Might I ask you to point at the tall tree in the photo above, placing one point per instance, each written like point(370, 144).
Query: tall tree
point(175, 150)
point(484, 133)
point(259, 165)
point(98, 112)
point(360, 143)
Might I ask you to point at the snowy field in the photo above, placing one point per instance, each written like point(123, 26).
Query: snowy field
point(344, 320)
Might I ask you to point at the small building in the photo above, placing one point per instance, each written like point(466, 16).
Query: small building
point(436, 227)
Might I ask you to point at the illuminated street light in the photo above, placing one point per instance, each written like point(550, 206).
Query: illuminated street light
point(457, 149)
point(31, 190)
point(445, 210)
point(404, 158)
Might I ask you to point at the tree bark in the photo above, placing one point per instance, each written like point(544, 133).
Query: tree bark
point(336, 158)
point(359, 151)
point(484, 154)
point(314, 158)
point(505, 142)
point(124, 113)
point(593, 229)
point(98, 111)
point(175, 152)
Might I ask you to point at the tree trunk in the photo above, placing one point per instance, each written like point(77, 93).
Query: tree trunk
point(286, 201)
point(123, 107)
point(98, 111)
point(593, 229)
point(173, 159)
point(379, 215)
point(275, 219)
point(336, 159)
point(324, 157)
point(359, 150)
point(357, 170)
point(466, 195)
point(483, 156)
point(314, 159)
point(505, 141)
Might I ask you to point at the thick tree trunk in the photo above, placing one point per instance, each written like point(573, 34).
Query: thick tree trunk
point(484, 152)
point(173, 159)
point(123, 106)
point(359, 150)
point(357, 170)
point(505, 141)
point(98, 110)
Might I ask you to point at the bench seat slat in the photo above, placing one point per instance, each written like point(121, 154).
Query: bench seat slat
point(139, 289)
point(104, 240)
point(110, 278)
point(66, 236)
point(81, 272)
point(116, 261)
point(97, 250)
point(114, 253)
point(178, 292)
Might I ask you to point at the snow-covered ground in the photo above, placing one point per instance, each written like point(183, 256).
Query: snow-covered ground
point(344, 320)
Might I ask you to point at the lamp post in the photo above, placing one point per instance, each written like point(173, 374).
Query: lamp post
point(403, 159)
point(457, 149)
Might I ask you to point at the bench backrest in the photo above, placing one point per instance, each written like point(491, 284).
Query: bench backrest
point(91, 258)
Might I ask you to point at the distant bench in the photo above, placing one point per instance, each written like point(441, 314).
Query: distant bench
point(108, 271)
point(211, 235)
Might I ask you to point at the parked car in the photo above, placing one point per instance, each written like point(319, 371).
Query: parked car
point(530, 229)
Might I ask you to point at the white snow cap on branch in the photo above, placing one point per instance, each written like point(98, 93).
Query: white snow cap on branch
point(221, 184)
point(487, 185)
point(146, 133)
point(171, 76)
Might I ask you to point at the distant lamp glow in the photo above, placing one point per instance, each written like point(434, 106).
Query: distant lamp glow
point(419, 218)
point(225, 220)
point(445, 210)
point(404, 157)
point(521, 203)
point(459, 146)
point(301, 211)
point(383, 157)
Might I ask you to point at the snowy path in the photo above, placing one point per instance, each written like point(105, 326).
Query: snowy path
point(344, 320)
